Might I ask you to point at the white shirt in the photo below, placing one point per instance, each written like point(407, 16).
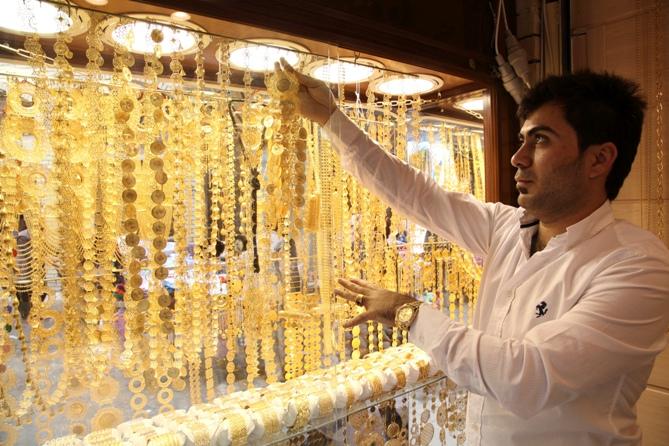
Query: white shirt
point(562, 342)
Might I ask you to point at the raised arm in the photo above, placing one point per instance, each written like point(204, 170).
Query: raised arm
point(457, 217)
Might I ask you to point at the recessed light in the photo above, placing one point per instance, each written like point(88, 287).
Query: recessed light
point(346, 70)
point(406, 85)
point(260, 54)
point(180, 16)
point(45, 19)
point(140, 36)
point(473, 104)
point(97, 2)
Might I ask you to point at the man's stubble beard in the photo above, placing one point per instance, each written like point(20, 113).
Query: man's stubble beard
point(554, 199)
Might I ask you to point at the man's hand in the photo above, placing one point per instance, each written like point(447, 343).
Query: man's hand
point(380, 305)
point(315, 100)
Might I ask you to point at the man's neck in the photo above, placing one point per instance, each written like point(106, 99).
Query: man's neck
point(551, 227)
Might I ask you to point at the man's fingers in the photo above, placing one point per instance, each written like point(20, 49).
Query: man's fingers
point(303, 79)
point(363, 283)
point(352, 286)
point(356, 298)
point(357, 320)
point(345, 294)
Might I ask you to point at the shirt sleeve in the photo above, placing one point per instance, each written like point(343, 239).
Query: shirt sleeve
point(619, 325)
point(457, 217)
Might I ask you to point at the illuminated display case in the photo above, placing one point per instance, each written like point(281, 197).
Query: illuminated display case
point(172, 232)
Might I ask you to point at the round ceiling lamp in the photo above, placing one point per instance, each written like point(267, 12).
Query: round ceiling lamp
point(471, 104)
point(139, 36)
point(346, 70)
point(180, 16)
point(35, 17)
point(259, 55)
point(405, 85)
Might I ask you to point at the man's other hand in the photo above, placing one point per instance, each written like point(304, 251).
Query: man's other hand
point(380, 305)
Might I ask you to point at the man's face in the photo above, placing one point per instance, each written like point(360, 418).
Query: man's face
point(550, 178)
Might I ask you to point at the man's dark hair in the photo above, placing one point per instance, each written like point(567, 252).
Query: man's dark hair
point(601, 107)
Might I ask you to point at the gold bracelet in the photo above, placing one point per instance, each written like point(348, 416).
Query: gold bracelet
point(375, 382)
point(270, 420)
point(237, 430)
point(325, 403)
point(200, 433)
point(350, 395)
point(423, 369)
point(303, 413)
point(400, 377)
point(168, 439)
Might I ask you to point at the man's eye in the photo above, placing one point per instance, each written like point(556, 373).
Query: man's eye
point(539, 139)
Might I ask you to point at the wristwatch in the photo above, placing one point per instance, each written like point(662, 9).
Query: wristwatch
point(406, 314)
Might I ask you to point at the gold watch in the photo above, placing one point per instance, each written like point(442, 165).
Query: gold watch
point(406, 314)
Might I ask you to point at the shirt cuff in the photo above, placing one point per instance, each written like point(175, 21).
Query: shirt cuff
point(421, 333)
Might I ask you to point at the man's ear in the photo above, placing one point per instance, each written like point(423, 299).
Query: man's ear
point(602, 158)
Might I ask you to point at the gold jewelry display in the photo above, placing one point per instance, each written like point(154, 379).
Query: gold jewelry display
point(659, 28)
point(303, 413)
point(127, 181)
point(237, 429)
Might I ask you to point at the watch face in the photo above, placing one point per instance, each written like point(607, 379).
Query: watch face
point(405, 314)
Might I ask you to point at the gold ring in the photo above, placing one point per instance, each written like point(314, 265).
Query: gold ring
point(358, 299)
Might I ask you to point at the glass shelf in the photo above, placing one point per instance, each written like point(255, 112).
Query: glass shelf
point(341, 414)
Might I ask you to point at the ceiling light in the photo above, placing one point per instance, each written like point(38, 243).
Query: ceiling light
point(260, 54)
point(401, 85)
point(180, 16)
point(45, 19)
point(346, 70)
point(472, 104)
point(137, 36)
point(97, 2)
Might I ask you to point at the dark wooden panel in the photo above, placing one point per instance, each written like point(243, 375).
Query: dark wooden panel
point(501, 140)
point(450, 36)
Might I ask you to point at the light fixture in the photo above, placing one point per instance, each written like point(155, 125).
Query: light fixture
point(345, 70)
point(260, 54)
point(35, 17)
point(180, 16)
point(97, 2)
point(471, 104)
point(137, 36)
point(406, 85)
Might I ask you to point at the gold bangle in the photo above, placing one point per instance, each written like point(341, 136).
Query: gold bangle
point(270, 420)
point(200, 433)
point(350, 395)
point(168, 439)
point(375, 382)
point(303, 413)
point(237, 430)
point(102, 434)
point(400, 377)
point(325, 403)
point(423, 369)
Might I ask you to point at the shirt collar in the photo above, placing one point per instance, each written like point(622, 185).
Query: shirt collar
point(581, 230)
point(590, 225)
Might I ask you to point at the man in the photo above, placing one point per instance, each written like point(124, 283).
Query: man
point(573, 304)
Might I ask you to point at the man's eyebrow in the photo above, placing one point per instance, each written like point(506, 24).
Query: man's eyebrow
point(538, 128)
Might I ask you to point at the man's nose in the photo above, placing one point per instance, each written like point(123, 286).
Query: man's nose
point(522, 157)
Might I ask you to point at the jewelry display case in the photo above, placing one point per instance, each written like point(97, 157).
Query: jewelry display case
point(172, 232)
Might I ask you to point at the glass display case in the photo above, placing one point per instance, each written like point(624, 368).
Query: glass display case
point(172, 234)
